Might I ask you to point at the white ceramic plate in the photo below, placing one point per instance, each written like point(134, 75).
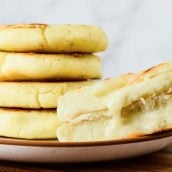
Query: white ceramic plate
point(53, 151)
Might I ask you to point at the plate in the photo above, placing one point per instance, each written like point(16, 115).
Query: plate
point(51, 151)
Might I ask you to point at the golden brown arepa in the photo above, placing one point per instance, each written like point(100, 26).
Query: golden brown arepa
point(35, 95)
point(52, 38)
point(35, 67)
point(28, 124)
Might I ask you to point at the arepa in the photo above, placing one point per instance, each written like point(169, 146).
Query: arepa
point(134, 110)
point(35, 95)
point(28, 124)
point(52, 38)
point(35, 67)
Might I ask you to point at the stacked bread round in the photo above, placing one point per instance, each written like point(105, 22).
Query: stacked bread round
point(38, 64)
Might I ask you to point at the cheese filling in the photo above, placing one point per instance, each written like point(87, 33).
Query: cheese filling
point(148, 103)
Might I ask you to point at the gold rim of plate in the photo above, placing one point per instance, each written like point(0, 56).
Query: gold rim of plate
point(55, 143)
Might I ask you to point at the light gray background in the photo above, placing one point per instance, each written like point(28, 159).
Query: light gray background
point(139, 31)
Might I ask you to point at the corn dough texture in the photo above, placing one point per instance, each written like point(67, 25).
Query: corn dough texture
point(28, 124)
point(52, 38)
point(25, 66)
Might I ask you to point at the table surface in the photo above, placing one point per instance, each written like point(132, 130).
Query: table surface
point(158, 161)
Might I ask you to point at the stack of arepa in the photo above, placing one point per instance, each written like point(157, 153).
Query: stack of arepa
point(39, 63)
